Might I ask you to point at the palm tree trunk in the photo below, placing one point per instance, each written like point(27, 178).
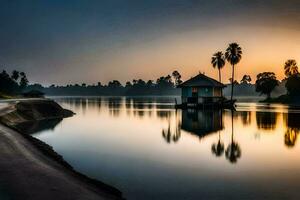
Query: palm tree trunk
point(232, 82)
point(231, 126)
point(220, 80)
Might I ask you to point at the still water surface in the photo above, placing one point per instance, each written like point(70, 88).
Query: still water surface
point(149, 150)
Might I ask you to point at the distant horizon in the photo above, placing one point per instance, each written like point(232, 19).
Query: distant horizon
point(124, 82)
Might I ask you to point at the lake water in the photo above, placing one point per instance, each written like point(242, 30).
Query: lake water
point(149, 150)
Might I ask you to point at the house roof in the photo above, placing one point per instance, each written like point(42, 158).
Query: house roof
point(201, 81)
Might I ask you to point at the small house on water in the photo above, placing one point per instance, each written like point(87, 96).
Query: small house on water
point(201, 90)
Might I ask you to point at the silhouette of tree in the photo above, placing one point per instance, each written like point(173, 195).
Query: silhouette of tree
point(114, 84)
point(177, 77)
point(218, 61)
point(15, 75)
point(24, 81)
point(234, 82)
point(233, 55)
point(128, 84)
point(290, 68)
point(149, 83)
point(164, 82)
point(141, 82)
point(218, 148)
point(265, 83)
point(246, 79)
point(163, 86)
point(292, 85)
point(9, 84)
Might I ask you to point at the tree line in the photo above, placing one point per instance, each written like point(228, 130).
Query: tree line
point(12, 84)
point(164, 85)
point(266, 82)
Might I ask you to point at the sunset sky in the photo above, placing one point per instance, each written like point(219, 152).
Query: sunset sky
point(75, 41)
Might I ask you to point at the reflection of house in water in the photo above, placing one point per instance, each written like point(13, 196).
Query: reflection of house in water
point(202, 122)
point(266, 120)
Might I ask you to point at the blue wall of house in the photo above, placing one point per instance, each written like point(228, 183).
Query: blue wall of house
point(202, 92)
point(186, 92)
point(205, 92)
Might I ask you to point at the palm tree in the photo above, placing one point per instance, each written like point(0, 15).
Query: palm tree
point(233, 55)
point(290, 68)
point(218, 61)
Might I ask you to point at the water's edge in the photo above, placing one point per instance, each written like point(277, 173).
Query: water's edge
point(49, 152)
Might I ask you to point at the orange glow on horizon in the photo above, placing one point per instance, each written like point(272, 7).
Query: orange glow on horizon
point(265, 49)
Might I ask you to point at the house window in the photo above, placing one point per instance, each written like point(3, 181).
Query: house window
point(194, 92)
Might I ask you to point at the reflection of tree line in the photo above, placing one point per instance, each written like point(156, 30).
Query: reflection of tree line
point(203, 123)
point(268, 121)
point(139, 107)
point(293, 128)
point(200, 123)
point(168, 134)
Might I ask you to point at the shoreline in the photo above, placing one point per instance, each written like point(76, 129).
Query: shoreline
point(31, 169)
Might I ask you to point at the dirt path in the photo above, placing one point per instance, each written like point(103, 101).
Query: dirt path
point(29, 174)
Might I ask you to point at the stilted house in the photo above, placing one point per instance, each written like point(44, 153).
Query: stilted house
point(201, 90)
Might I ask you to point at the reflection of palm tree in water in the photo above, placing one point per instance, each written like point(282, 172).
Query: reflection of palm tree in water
point(292, 129)
point(218, 148)
point(233, 151)
point(290, 137)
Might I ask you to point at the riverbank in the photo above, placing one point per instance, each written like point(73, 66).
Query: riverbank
point(31, 169)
